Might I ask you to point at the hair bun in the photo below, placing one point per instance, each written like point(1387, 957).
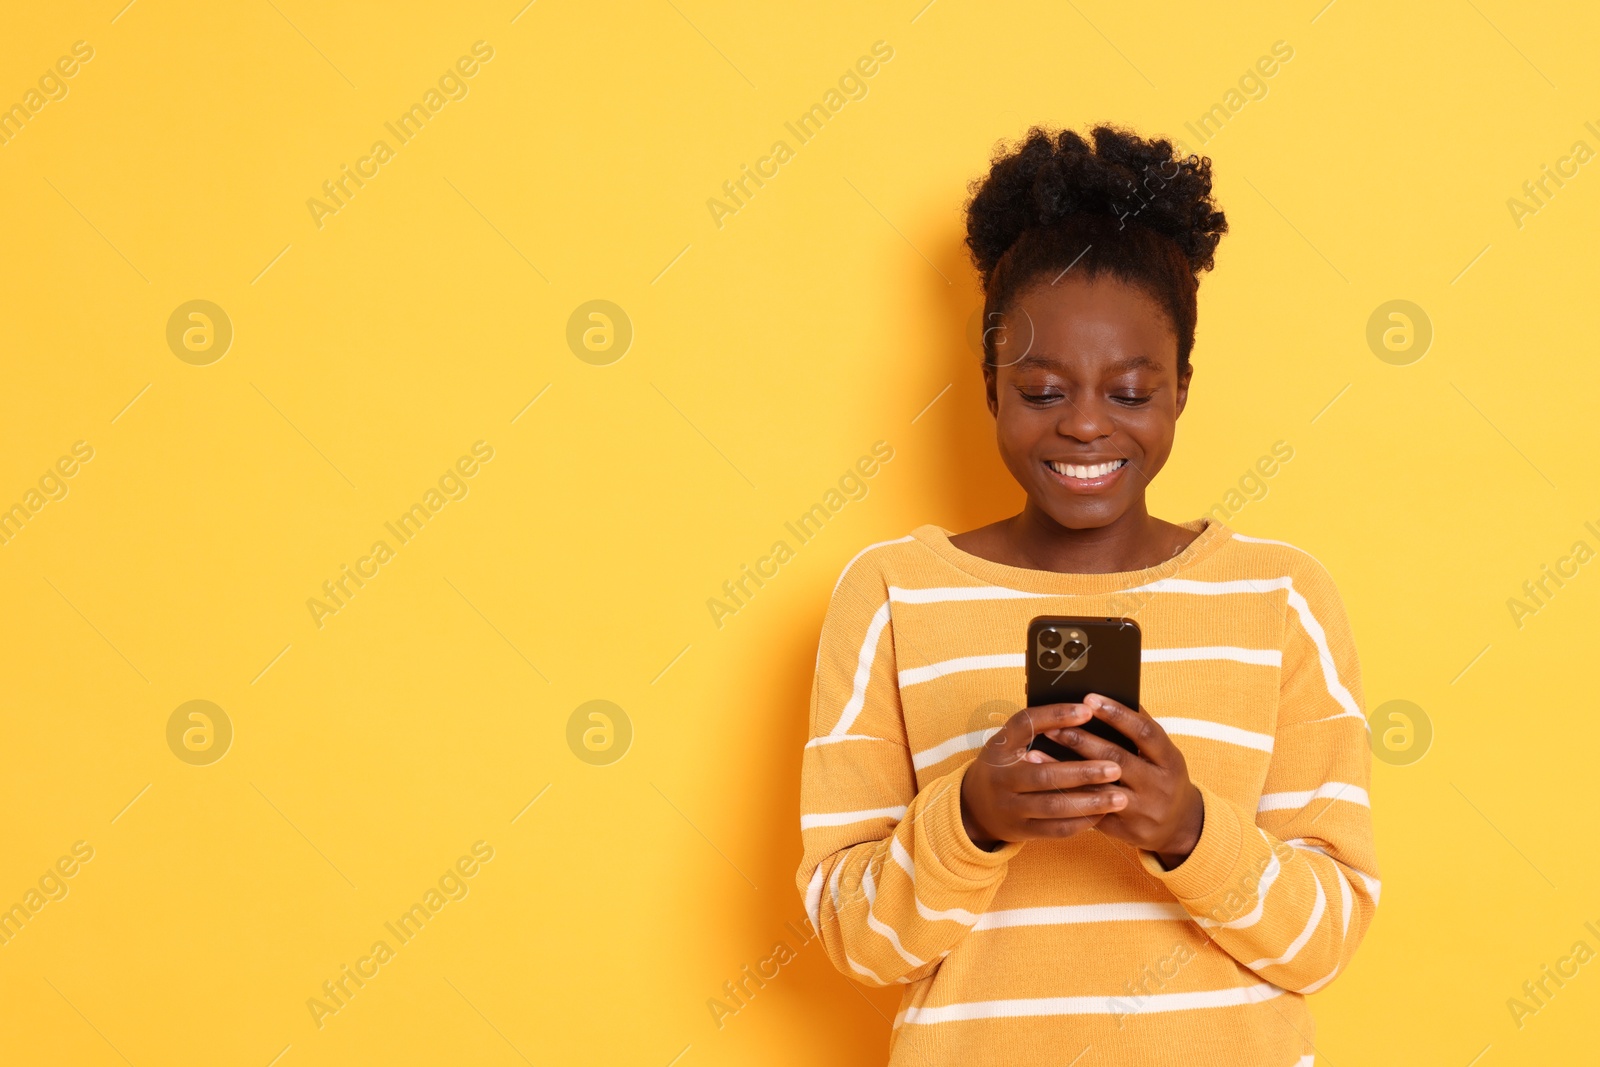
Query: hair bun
point(1053, 175)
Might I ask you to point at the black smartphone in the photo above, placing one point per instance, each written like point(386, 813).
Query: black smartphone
point(1070, 657)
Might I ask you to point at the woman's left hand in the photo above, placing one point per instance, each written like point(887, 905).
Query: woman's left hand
point(1165, 812)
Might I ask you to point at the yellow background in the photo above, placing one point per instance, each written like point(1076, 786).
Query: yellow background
point(768, 355)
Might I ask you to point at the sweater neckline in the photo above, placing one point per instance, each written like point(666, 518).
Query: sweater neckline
point(1212, 534)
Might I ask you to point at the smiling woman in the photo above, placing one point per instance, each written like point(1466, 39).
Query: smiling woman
point(1090, 260)
point(1252, 728)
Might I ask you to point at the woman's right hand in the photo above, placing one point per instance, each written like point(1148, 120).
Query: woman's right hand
point(1011, 793)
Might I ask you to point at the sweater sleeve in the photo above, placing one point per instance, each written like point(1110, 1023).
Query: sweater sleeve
point(891, 881)
point(1289, 889)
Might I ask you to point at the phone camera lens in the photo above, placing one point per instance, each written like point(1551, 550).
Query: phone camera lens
point(1075, 648)
point(1049, 660)
point(1049, 638)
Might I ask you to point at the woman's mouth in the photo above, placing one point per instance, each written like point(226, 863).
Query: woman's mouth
point(1086, 477)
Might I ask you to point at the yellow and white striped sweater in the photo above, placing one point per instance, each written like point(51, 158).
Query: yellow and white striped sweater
point(1084, 950)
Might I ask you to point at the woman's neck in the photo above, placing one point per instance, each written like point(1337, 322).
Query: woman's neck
point(1032, 539)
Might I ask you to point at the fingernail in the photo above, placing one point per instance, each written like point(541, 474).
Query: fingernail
point(1118, 799)
point(1096, 699)
point(1109, 772)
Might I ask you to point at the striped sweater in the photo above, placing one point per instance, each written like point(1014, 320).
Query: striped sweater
point(1043, 951)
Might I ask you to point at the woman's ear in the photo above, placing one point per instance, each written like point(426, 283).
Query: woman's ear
point(1183, 385)
point(989, 385)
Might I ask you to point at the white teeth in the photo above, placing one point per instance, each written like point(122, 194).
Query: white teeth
point(1077, 470)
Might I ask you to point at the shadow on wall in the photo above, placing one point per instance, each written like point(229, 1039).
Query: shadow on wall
point(951, 475)
point(967, 484)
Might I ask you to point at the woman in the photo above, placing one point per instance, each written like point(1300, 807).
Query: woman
point(1172, 906)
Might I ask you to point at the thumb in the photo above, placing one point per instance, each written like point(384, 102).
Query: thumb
point(1010, 743)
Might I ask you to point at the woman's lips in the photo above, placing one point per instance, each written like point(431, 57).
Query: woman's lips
point(1086, 477)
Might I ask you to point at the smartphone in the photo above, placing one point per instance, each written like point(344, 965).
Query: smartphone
point(1070, 657)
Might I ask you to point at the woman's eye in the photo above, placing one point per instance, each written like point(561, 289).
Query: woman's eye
point(1040, 398)
point(1132, 401)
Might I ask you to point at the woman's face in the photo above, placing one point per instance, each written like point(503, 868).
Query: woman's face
point(1086, 396)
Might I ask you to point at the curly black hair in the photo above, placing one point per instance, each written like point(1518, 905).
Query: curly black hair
point(1127, 207)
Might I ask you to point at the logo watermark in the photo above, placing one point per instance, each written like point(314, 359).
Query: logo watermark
point(452, 485)
point(1538, 991)
point(1252, 484)
point(1399, 332)
point(737, 592)
point(51, 86)
point(199, 733)
point(52, 486)
point(1539, 591)
point(1538, 192)
point(599, 732)
point(737, 993)
point(199, 332)
point(737, 192)
point(599, 332)
point(339, 991)
point(337, 192)
point(52, 886)
point(1399, 732)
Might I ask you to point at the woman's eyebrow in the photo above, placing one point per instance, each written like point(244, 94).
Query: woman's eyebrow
point(1119, 367)
point(1136, 363)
